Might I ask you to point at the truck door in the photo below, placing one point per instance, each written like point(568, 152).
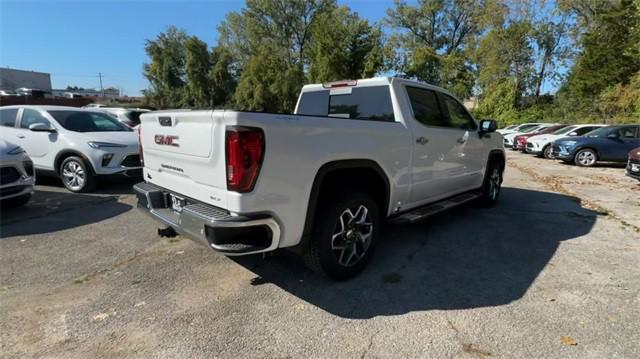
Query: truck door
point(437, 169)
point(472, 152)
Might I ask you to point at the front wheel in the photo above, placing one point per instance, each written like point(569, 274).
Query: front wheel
point(586, 158)
point(547, 152)
point(492, 184)
point(76, 175)
point(346, 230)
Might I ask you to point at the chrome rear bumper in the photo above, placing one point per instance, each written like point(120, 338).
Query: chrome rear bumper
point(225, 232)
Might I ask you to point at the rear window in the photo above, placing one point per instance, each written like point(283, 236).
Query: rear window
point(363, 103)
point(85, 121)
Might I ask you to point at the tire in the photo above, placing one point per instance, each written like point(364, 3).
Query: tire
point(547, 152)
point(337, 235)
point(17, 201)
point(585, 158)
point(76, 175)
point(492, 184)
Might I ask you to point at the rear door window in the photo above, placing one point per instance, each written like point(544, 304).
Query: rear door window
point(363, 103)
point(426, 108)
point(8, 117)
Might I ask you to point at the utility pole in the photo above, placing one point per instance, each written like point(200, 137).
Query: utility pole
point(101, 88)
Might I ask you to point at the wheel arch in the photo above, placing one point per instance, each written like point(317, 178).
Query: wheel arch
point(64, 154)
point(326, 176)
point(497, 155)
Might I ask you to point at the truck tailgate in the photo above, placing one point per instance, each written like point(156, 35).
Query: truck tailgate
point(183, 151)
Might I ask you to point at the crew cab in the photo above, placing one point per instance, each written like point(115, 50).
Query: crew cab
point(320, 181)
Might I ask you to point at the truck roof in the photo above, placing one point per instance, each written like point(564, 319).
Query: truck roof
point(371, 82)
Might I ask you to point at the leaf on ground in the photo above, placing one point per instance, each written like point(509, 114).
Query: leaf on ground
point(567, 340)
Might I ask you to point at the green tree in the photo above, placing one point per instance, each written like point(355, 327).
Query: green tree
point(166, 71)
point(436, 37)
point(197, 65)
point(610, 55)
point(221, 78)
point(268, 40)
point(269, 82)
point(344, 46)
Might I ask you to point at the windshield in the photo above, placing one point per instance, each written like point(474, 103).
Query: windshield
point(85, 121)
point(524, 128)
point(600, 132)
point(564, 130)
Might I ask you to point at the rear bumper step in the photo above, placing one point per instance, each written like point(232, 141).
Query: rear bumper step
point(215, 227)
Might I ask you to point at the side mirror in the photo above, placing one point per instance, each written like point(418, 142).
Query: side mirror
point(573, 133)
point(487, 126)
point(41, 127)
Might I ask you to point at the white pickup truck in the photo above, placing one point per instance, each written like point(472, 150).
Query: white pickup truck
point(320, 181)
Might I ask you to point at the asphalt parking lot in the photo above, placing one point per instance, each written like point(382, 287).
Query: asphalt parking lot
point(552, 271)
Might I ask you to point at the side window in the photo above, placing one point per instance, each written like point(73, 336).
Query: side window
point(8, 117)
point(30, 117)
point(458, 115)
point(425, 107)
point(627, 132)
point(582, 130)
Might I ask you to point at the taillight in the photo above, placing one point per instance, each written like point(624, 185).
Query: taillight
point(245, 151)
point(139, 132)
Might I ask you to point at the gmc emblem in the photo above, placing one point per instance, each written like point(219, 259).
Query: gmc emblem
point(166, 140)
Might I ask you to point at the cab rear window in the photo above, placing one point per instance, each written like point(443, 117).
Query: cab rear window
point(371, 103)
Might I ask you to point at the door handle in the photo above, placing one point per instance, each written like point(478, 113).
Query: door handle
point(20, 136)
point(422, 140)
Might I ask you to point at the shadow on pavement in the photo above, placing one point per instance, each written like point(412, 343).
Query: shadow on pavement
point(116, 185)
point(50, 211)
point(461, 259)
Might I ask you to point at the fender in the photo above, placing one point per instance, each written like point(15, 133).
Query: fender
point(340, 165)
point(66, 153)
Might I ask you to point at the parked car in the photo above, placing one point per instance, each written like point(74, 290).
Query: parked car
point(610, 144)
point(508, 138)
point(128, 116)
point(6, 93)
point(76, 144)
point(321, 180)
point(633, 164)
point(518, 128)
point(17, 176)
point(94, 105)
point(541, 144)
point(520, 141)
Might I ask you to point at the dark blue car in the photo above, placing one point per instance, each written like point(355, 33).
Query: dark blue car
point(609, 144)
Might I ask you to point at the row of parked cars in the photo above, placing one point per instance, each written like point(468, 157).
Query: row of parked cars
point(584, 145)
point(77, 145)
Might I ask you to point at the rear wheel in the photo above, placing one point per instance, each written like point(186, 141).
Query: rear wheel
point(492, 184)
point(346, 230)
point(76, 175)
point(585, 158)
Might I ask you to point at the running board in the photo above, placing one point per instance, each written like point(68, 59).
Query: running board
point(433, 208)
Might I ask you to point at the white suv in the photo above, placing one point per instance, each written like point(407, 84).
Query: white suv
point(76, 144)
point(17, 177)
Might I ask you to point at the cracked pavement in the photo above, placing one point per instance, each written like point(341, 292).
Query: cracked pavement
point(552, 271)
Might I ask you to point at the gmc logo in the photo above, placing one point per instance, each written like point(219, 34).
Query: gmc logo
point(166, 140)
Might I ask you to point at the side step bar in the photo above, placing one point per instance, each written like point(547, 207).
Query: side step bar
point(433, 208)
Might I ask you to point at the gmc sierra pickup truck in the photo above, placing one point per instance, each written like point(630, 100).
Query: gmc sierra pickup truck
point(320, 181)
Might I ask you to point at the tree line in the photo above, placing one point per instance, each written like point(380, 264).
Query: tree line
point(507, 53)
